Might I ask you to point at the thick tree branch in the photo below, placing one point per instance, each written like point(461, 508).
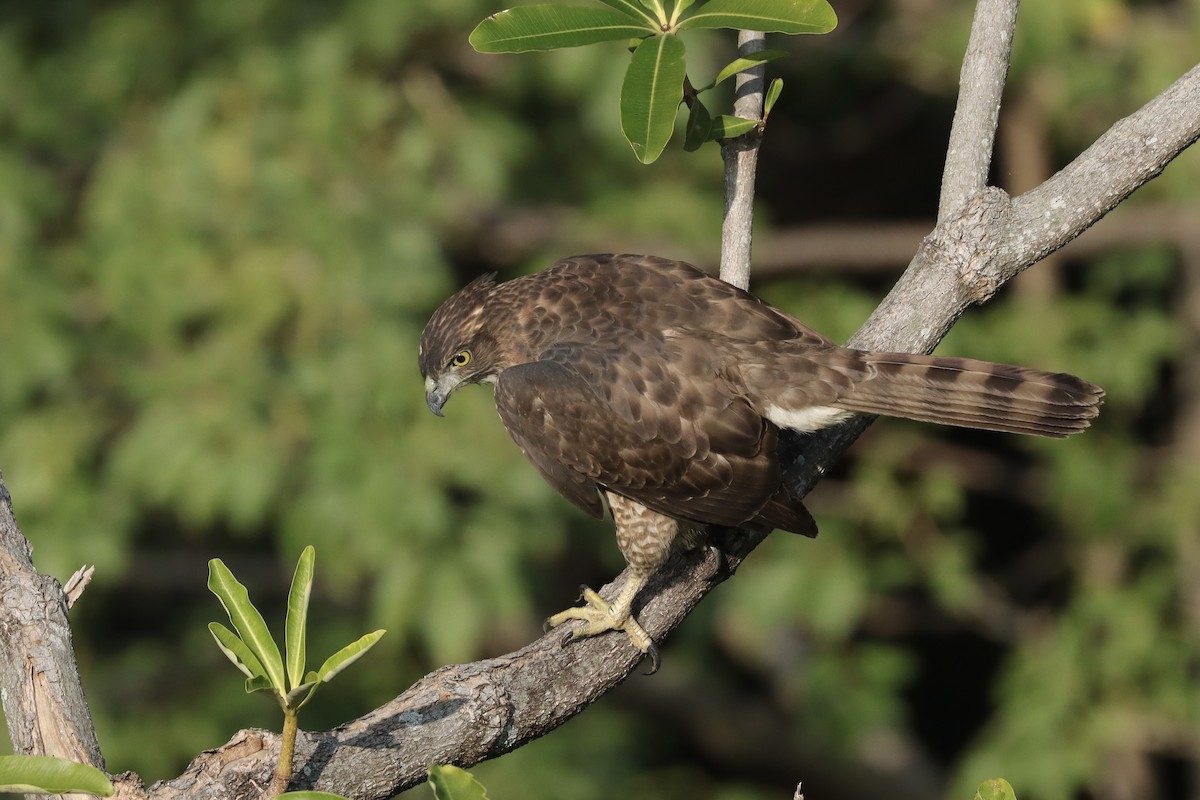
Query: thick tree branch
point(39, 680)
point(1133, 151)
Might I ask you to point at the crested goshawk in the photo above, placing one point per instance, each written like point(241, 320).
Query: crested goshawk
point(646, 385)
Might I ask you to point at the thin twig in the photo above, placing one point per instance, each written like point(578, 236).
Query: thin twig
point(741, 162)
point(75, 585)
point(981, 85)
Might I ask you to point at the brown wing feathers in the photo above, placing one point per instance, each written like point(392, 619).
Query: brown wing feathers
point(719, 468)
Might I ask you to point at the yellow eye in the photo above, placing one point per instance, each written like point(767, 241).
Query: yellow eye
point(461, 358)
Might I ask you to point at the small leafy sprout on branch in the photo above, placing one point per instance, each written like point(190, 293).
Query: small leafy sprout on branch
point(253, 651)
point(654, 84)
point(703, 128)
point(49, 775)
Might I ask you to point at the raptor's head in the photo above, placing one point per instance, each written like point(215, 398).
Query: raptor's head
point(457, 346)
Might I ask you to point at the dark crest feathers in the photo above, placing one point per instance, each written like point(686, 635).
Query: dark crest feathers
point(449, 326)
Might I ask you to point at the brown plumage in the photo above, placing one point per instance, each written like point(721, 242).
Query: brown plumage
point(647, 382)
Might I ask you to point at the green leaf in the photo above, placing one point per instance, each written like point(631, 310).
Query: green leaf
point(658, 9)
point(745, 63)
point(727, 127)
point(333, 665)
point(651, 94)
point(297, 698)
point(299, 695)
point(682, 6)
point(248, 622)
point(770, 16)
point(237, 651)
point(546, 27)
point(347, 655)
point(635, 10)
point(259, 683)
point(995, 789)
point(773, 92)
point(295, 628)
point(50, 775)
point(698, 125)
point(451, 783)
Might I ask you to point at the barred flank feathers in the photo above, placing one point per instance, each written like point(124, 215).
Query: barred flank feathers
point(973, 394)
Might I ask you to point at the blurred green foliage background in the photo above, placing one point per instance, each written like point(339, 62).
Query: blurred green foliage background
point(223, 225)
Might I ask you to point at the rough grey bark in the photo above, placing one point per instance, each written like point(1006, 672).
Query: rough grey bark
point(43, 699)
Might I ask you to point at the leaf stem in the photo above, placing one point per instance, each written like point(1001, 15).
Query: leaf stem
point(662, 14)
point(287, 752)
point(676, 9)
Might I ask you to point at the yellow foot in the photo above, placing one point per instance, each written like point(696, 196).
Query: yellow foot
point(599, 617)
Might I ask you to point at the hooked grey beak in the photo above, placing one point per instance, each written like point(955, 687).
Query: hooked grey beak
point(435, 403)
point(435, 396)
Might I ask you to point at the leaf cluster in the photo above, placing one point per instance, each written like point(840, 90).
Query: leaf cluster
point(655, 81)
point(253, 650)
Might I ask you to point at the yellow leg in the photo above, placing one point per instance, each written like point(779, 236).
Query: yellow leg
point(599, 616)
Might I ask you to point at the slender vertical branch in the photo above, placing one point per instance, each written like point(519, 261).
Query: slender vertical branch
point(981, 86)
point(741, 161)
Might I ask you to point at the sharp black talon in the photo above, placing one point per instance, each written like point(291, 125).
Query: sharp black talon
point(546, 626)
point(655, 661)
point(583, 592)
point(720, 570)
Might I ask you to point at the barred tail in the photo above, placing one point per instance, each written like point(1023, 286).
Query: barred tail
point(972, 394)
